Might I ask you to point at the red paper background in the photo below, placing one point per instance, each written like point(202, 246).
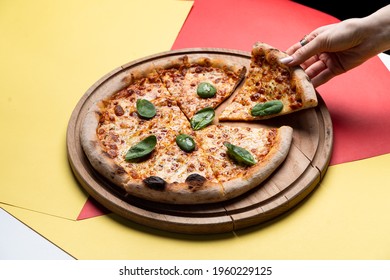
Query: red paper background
point(358, 101)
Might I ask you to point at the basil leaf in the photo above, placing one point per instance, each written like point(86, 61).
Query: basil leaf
point(142, 148)
point(185, 142)
point(239, 154)
point(202, 118)
point(267, 108)
point(206, 90)
point(145, 108)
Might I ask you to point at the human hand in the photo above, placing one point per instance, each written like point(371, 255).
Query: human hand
point(331, 50)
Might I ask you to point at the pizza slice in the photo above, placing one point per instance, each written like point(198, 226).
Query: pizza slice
point(243, 157)
point(200, 82)
point(270, 88)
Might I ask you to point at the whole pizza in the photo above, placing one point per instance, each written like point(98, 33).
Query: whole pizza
point(160, 139)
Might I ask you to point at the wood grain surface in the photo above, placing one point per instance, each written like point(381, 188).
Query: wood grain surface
point(294, 180)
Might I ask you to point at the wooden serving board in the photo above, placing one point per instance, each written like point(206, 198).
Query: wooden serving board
point(296, 178)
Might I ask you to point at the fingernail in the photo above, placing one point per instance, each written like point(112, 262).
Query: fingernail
point(286, 59)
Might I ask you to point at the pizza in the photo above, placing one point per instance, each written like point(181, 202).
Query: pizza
point(159, 138)
point(270, 89)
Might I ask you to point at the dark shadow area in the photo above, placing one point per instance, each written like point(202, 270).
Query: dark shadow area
point(345, 9)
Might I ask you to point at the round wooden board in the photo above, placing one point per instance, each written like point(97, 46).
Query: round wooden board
point(297, 177)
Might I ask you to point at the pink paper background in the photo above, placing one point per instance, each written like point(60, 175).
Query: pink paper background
point(358, 101)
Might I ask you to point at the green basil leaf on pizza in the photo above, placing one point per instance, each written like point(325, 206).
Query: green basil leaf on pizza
point(185, 142)
point(142, 148)
point(206, 90)
point(240, 155)
point(267, 108)
point(202, 118)
point(145, 108)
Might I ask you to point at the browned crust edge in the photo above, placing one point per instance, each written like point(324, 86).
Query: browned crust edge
point(96, 155)
point(177, 193)
point(186, 61)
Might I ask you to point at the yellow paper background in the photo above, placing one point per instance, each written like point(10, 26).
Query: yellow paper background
point(51, 52)
point(347, 217)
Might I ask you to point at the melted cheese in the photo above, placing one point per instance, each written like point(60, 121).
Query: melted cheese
point(191, 102)
point(174, 165)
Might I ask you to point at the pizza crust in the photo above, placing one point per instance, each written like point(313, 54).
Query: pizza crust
point(95, 153)
point(209, 61)
point(305, 87)
point(178, 193)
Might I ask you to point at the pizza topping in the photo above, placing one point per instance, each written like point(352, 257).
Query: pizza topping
point(112, 153)
point(141, 149)
point(145, 108)
point(119, 110)
point(185, 142)
point(155, 182)
point(256, 96)
point(195, 180)
point(206, 90)
point(267, 108)
point(239, 154)
point(202, 118)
